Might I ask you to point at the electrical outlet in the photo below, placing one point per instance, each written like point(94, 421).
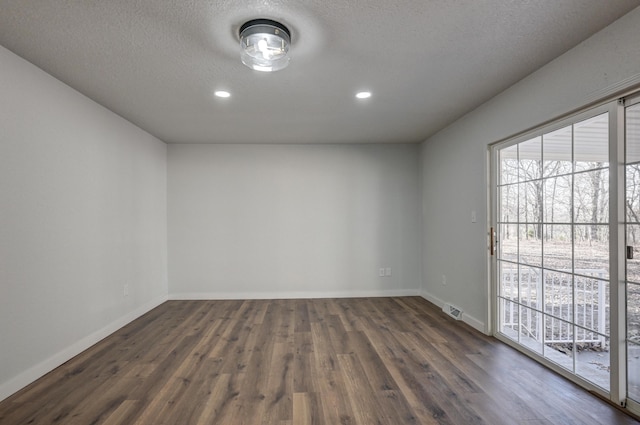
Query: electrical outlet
point(474, 216)
point(125, 290)
point(387, 271)
point(444, 279)
point(381, 272)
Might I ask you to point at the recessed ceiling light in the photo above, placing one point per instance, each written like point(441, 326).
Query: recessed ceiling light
point(363, 95)
point(222, 93)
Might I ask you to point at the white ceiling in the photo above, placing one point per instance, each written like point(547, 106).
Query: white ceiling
point(427, 62)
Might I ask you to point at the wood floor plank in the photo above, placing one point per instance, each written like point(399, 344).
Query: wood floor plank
point(373, 365)
point(307, 409)
point(121, 414)
point(359, 361)
point(302, 414)
point(360, 393)
point(302, 318)
point(302, 363)
point(279, 389)
point(248, 406)
point(347, 315)
point(327, 378)
point(219, 391)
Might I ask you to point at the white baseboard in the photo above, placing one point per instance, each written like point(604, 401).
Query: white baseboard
point(30, 375)
point(469, 320)
point(292, 295)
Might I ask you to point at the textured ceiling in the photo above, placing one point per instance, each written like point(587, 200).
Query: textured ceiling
point(427, 62)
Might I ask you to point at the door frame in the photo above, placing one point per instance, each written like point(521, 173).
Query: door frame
point(631, 100)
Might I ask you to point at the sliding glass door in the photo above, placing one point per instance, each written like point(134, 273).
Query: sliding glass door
point(565, 247)
point(552, 254)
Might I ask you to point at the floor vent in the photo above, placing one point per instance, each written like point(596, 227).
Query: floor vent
point(452, 311)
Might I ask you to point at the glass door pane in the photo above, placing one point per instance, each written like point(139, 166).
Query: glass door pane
point(553, 251)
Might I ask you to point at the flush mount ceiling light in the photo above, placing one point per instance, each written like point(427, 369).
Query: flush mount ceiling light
point(265, 45)
point(363, 95)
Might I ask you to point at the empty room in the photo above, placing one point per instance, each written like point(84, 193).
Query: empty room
point(291, 213)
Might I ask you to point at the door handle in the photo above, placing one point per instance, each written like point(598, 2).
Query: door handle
point(493, 241)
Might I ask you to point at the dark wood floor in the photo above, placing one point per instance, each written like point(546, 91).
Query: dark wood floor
point(297, 362)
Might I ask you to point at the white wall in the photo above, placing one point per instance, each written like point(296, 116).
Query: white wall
point(454, 161)
point(83, 212)
point(256, 221)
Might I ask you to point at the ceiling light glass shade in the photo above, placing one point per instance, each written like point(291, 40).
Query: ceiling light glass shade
point(264, 45)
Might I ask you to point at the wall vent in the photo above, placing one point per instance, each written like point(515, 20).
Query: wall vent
point(452, 311)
